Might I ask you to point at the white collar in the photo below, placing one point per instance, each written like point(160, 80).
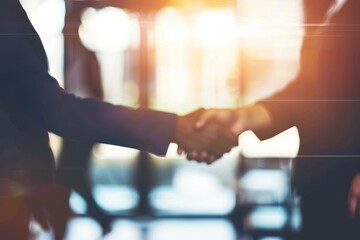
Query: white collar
point(338, 4)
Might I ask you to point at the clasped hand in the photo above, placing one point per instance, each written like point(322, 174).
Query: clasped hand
point(205, 135)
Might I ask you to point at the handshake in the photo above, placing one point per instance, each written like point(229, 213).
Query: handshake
point(205, 135)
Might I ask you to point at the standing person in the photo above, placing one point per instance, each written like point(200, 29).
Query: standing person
point(323, 102)
point(32, 104)
point(82, 78)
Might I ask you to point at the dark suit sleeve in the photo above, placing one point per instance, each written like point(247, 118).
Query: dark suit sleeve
point(289, 106)
point(26, 84)
point(323, 100)
point(294, 105)
point(284, 108)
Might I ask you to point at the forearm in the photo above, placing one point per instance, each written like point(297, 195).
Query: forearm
point(132, 5)
point(38, 96)
point(95, 121)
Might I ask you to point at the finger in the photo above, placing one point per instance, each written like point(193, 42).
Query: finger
point(354, 195)
point(180, 150)
point(190, 158)
point(352, 205)
point(211, 159)
point(205, 118)
point(192, 155)
point(199, 156)
point(208, 158)
point(203, 155)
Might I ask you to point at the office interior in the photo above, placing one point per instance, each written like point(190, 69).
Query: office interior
point(177, 57)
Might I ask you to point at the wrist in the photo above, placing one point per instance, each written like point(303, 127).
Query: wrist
point(256, 117)
point(243, 115)
point(176, 136)
point(181, 126)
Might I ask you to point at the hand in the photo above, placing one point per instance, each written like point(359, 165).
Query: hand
point(354, 196)
point(213, 140)
point(237, 120)
point(233, 119)
point(230, 121)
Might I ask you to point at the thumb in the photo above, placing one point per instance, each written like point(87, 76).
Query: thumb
point(238, 127)
point(352, 205)
point(205, 118)
point(180, 150)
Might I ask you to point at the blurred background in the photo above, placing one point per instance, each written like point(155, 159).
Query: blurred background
point(176, 56)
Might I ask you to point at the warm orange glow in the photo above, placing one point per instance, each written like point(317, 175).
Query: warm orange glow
point(196, 59)
point(199, 62)
point(201, 47)
point(200, 4)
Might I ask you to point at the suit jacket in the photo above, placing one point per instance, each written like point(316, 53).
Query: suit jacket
point(33, 104)
point(324, 101)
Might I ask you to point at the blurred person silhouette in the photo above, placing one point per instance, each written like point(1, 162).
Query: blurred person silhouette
point(33, 104)
point(82, 78)
point(323, 102)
